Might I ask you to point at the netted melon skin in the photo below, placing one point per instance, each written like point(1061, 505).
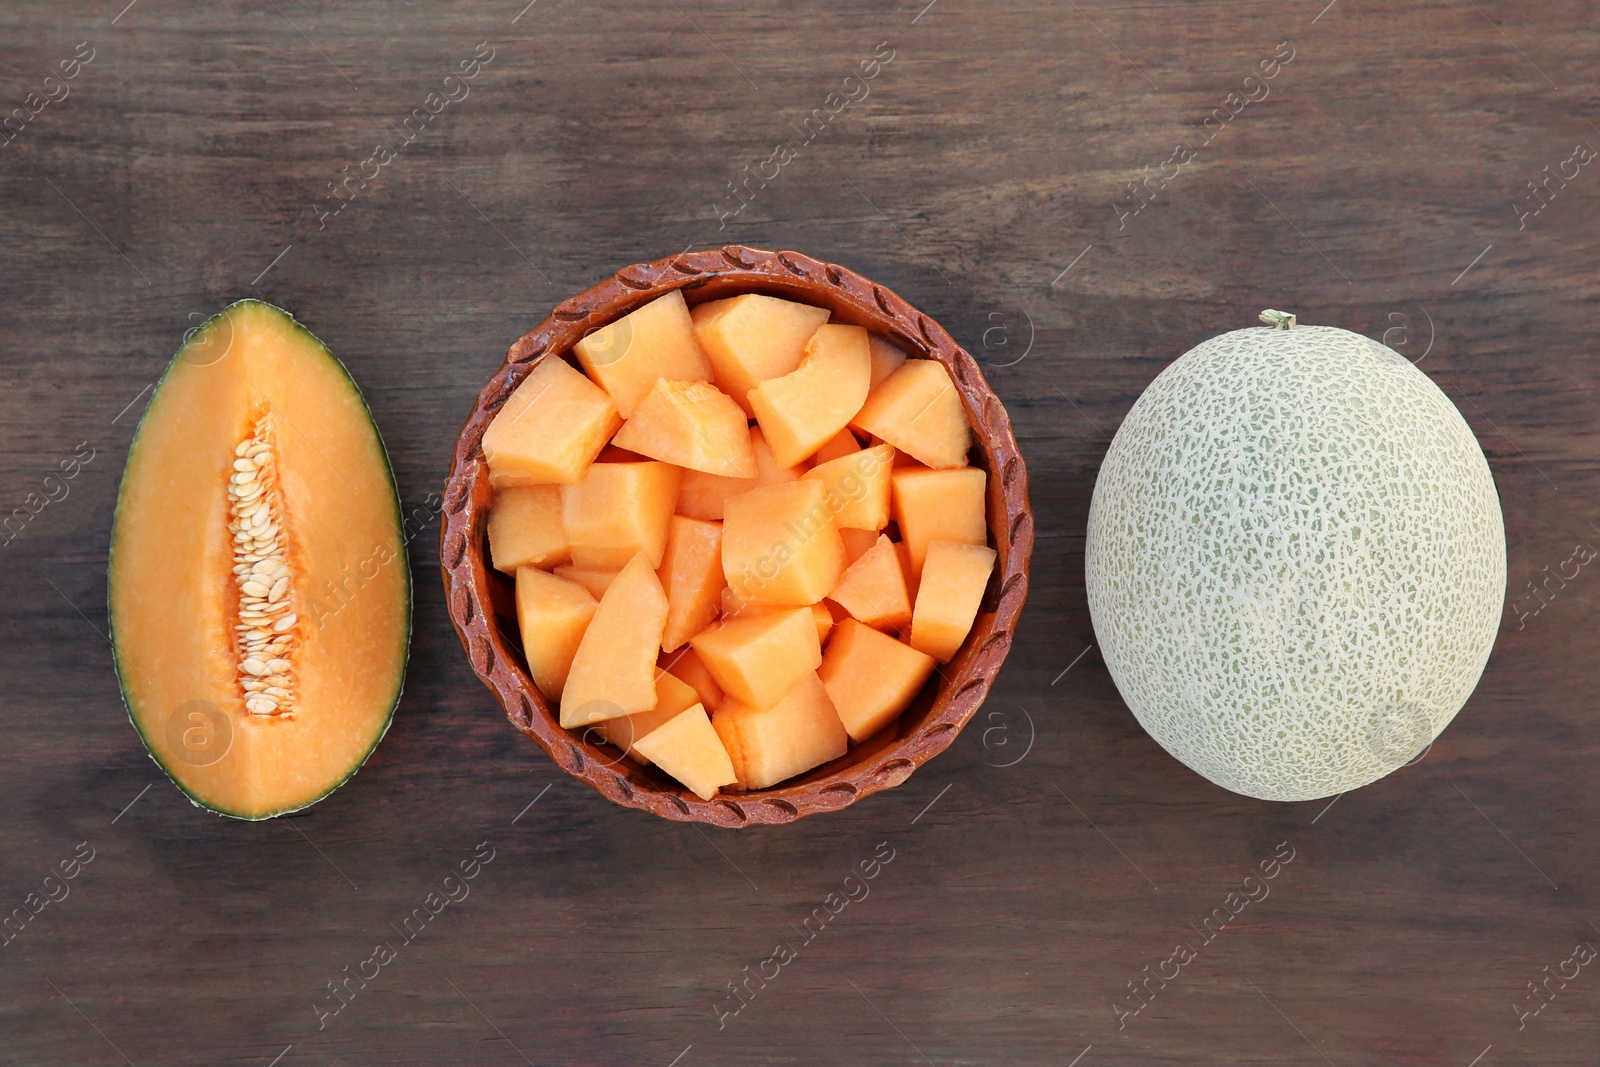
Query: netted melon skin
point(1295, 561)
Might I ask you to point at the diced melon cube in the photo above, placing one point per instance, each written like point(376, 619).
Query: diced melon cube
point(619, 510)
point(614, 670)
point(673, 695)
point(912, 577)
point(594, 579)
point(550, 429)
point(918, 410)
point(886, 359)
point(525, 528)
point(798, 733)
point(856, 543)
point(757, 659)
point(768, 470)
point(870, 677)
point(731, 606)
point(801, 410)
point(779, 544)
point(873, 589)
point(753, 337)
point(931, 505)
point(691, 573)
point(687, 748)
point(953, 579)
point(686, 665)
point(692, 424)
point(552, 614)
point(858, 487)
point(652, 342)
point(842, 443)
point(702, 495)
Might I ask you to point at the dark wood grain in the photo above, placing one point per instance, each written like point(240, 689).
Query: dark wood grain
point(987, 157)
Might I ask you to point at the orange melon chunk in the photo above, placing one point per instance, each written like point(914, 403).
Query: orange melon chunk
point(691, 573)
point(779, 544)
point(617, 511)
point(672, 696)
point(685, 665)
point(688, 748)
point(873, 588)
point(692, 424)
point(943, 505)
point(858, 487)
point(842, 443)
point(856, 543)
point(801, 410)
point(757, 659)
point(614, 670)
point(918, 410)
point(525, 528)
point(655, 341)
point(870, 677)
point(595, 580)
point(552, 614)
point(886, 359)
point(798, 733)
point(702, 495)
point(953, 579)
point(550, 429)
point(753, 337)
point(731, 606)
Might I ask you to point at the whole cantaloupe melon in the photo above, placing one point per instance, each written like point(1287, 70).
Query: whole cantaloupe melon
point(1295, 561)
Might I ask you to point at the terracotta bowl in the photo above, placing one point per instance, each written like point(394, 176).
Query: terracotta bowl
point(482, 601)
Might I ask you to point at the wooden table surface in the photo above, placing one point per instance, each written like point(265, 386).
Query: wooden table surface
point(1378, 180)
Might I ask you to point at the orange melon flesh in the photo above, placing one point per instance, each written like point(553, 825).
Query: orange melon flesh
point(694, 425)
point(757, 659)
point(525, 528)
point(672, 696)
point(856, 542)
point(870, 677)
point(550, 429)
point(685, 665)
point(886, 359)
point(953, 579)
point(918, 410)
point(552, 614)
point(655, 341)
point(779, 544)
point(691, 573)
point(688, 748)
point(619, 510)
point(252, 372)
point(702, 495)
point(731, 606)
point(614, 670)
point(912, 577)
point(801, 410)
point(858, 487)
point(873, 588)
point(798, 733)
point(932, 505)
point(753, 337)
point(842, 443)
point(594, 579)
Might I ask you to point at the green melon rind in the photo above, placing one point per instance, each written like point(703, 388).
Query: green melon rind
point(405, 637)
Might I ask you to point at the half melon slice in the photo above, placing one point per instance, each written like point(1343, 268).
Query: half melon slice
point(259, 592)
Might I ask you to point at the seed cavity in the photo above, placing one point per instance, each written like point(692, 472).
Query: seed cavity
point(267, 640)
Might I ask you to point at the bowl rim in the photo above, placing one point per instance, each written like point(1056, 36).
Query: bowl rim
point(961, 684)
